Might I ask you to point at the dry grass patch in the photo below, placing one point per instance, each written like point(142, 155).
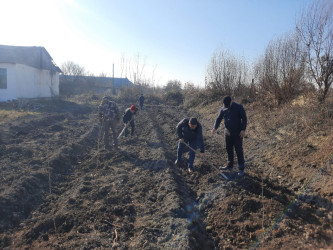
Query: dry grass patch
point(8, 115)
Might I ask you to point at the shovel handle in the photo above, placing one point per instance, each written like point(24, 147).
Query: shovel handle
point(124, 128)
point(195, 151)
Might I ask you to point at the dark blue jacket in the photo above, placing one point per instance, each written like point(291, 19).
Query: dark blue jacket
point(234, 118)
point(184, 131)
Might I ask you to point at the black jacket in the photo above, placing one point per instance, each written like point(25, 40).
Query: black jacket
point(128, 115)
point(234, 117)
point(184, 131)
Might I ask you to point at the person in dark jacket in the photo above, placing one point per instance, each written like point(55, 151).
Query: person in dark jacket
point(189, 130)
point(235, 122)
point(141, 100)
point(129, 118)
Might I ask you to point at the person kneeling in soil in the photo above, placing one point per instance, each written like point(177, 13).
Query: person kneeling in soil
point(108, 117)
point(129, 118)
point(190, 132)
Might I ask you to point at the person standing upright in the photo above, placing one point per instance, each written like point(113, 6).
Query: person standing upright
point(109, 117)
point(141, 100)
point(235, 122)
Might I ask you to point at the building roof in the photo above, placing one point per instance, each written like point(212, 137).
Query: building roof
point(36, 57)
point(102, 81)
point(117, 82)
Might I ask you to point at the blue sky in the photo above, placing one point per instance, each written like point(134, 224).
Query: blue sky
point(172, 39)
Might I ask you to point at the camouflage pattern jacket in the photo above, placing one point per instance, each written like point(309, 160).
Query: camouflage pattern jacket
point(108, 111)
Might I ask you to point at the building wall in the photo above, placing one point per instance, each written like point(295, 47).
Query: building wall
point(27, 82)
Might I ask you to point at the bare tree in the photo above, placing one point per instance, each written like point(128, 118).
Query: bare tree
point(123, 66)
point(225, 72)
point(72, 69)
point(281, 71)
point(173, 86)
point(139, 65)
point(103, 74)
point(135, 70)
point(316, 30)
point(153, 76)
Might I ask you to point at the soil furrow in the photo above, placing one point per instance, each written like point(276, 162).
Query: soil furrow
point(29, 188)
point(61, 189)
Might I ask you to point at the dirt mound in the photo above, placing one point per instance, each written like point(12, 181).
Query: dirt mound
point(61, 188)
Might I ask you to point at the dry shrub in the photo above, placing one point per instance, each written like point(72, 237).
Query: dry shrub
point(154, 99)
point(311, 114)
point(174, 98)
point(201, 97)
point(193, 97)
point(303, 114)
point(246, 93)
point(128, 95)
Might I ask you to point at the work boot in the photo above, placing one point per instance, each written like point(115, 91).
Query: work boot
point(227, 168)
point(190, 169)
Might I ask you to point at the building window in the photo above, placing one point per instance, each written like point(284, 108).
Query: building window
point(3, 78)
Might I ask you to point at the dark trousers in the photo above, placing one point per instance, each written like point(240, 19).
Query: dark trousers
point(234, 141)
point(181, 147)
point(132, 128)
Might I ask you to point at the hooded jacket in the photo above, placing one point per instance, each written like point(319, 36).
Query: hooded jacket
point(234, 117)
point(184, 131)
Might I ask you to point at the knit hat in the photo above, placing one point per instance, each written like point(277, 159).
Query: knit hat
point(227, 101)
point(133, 108)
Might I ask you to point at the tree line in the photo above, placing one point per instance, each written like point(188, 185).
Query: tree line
point(294, 63)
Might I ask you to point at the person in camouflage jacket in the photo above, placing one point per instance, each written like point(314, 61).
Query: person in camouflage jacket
point(109, 118)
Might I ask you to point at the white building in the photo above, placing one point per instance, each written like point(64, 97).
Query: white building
point(27, 72)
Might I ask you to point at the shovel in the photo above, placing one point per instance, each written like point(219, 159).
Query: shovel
point(121, 133)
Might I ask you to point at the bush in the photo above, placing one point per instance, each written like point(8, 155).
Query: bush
point(195, 97)
point(174, 98)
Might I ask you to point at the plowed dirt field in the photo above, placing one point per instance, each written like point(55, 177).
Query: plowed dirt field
point(60, 189)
